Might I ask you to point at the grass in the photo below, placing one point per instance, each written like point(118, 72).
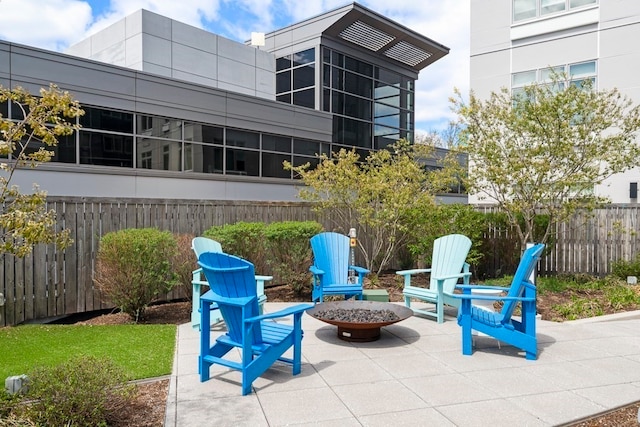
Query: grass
point(142, 351)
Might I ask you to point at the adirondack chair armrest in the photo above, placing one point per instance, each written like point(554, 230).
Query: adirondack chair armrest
point(413, 271)
point(260, 283)
point(408, 273)
point(453, 276)
point(316, 271)
point(360, 271)
point(197, 275)
point(491, 297)
point(235, 301)
point(280, 313)
point(466, 289)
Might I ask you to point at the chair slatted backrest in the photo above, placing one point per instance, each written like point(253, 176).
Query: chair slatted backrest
point(331, 254)
point(232, 277)
point(449, 255)
point(527, 264)
point(201, 245)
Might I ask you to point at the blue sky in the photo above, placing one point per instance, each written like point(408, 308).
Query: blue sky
point(56, 24)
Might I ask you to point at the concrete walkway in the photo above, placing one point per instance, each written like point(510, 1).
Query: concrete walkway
point(416, 375)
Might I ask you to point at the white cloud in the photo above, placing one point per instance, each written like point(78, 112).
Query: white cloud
point(50, 24)
point(55, 24)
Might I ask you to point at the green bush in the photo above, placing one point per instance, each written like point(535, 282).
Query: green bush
point(443, 220)
point(243, 239)
point(623, 268)
point(183, 263)
point(85, 391)
point(290, 251)
point(133, 268)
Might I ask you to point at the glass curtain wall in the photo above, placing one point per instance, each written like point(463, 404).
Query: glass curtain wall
point(139, 141)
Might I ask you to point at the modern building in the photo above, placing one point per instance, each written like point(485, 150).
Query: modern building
point(519, 42)
point(173, 111)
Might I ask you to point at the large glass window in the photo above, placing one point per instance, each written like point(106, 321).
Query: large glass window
point(529, 9)
point(63, 152)
point(159, 154)
point(106, 149)
point(124, 139)
point(203, 158)
point(162, 127)
point(243, 162)
point(115, 121)
point(272, 165)
point(295, 78)
point(203, 133)
point(373, 95)
point(240, 138)
point(576, 73)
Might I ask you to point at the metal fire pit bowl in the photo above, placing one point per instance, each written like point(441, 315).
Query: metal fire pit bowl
point(360, 331)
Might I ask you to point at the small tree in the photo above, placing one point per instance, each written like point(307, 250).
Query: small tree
point(542, 152)
point(374, 196)
point(23, 219)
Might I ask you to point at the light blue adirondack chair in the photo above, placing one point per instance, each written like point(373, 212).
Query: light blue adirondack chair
point(447, 267)
point(520, 333)
point(201, 245)
point(260, 340)
point(331, 267)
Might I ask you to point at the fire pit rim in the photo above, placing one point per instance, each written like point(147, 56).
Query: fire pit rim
point(400, 310)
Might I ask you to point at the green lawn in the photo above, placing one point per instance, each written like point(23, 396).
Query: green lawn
point(142, 351)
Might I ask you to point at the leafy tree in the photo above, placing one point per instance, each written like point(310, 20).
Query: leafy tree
point(543, 151)
point(375, 196)
point(24, 221)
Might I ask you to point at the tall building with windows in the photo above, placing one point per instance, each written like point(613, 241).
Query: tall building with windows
point(173, 111)
point(518, 42)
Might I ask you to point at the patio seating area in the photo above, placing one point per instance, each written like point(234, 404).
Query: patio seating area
point(416, 374)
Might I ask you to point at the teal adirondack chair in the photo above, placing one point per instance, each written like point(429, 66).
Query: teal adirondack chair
point(260, 340)
point(331, 267)
point(201, 245)
point(447, 267)
point(501, 325)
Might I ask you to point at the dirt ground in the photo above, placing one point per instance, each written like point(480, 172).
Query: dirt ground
point(149, 406)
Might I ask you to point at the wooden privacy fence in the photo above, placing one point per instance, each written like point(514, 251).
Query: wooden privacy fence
point(50, 283)
point(588, 243)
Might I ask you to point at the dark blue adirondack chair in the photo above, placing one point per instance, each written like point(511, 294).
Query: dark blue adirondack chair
point(331, 267)
point(261, 341)
point(501, 325)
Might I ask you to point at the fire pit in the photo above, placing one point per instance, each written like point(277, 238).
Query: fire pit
point(359, 321)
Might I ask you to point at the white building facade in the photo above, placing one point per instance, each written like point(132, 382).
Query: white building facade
point(519, 42)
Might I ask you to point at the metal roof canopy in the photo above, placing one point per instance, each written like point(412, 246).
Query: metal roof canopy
point(363, 28)
point(385, 37)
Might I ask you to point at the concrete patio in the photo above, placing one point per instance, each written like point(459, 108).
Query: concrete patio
point(416, 375)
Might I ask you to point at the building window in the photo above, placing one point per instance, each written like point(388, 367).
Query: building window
point(296, 78)
point(372, 106)
point(530, 9)
point(577, 74)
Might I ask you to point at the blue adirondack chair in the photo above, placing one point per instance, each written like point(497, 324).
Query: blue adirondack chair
point(447, 267)
point(201, 245)
point(501, 325)
point(261, 341)
point(331, 266)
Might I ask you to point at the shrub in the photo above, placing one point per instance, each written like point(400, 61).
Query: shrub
point(243, 239)
point(442, 220)
point(290, 251)
point(623, 268)
point(133, 268)
point(183, 263)
point(82, 391)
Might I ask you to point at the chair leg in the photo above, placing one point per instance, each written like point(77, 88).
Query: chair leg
point(440, 311)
